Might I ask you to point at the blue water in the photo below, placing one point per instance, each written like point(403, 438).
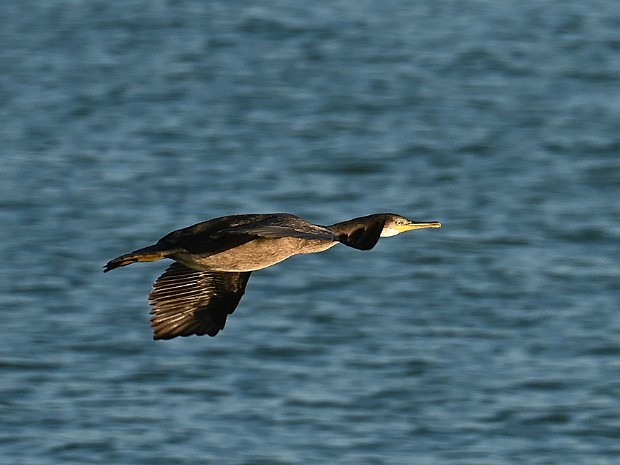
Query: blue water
point(494, 340)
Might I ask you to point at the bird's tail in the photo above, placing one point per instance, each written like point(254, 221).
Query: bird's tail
point(147, 254)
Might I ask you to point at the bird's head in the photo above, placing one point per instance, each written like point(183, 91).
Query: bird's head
point(396, 224)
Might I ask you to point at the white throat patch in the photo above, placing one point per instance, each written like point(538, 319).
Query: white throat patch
point(389, 232)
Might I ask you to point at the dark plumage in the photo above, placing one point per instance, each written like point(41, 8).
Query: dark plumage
point(214, 260)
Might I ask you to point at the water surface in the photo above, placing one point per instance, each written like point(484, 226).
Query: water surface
point(493, 340)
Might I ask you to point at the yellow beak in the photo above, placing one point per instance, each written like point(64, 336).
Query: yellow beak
point(418, 225)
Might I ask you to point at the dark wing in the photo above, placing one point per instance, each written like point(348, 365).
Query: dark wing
point(187, 301)
point(360, 233)
point(278, 225)
point(206, 238)
point(225, 233)
point(276, 231)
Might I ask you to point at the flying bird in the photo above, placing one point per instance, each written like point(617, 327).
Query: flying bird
point(213, 261)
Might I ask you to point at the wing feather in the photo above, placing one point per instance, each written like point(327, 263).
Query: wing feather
point(187, 301)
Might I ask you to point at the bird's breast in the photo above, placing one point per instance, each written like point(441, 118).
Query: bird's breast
point(254, 255)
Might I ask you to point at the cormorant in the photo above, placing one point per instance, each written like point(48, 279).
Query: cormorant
point(214, 260)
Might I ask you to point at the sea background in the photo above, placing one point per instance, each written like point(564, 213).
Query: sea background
point(494, 340)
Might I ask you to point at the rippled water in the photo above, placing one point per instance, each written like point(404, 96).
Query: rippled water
point(494, 340)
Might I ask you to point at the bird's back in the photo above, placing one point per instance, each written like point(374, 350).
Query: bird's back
point(246, 242)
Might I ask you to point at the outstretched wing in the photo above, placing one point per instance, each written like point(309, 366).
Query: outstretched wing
point(225, 233)
point(187, 301)
point(310, 232)
point(278, 225)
